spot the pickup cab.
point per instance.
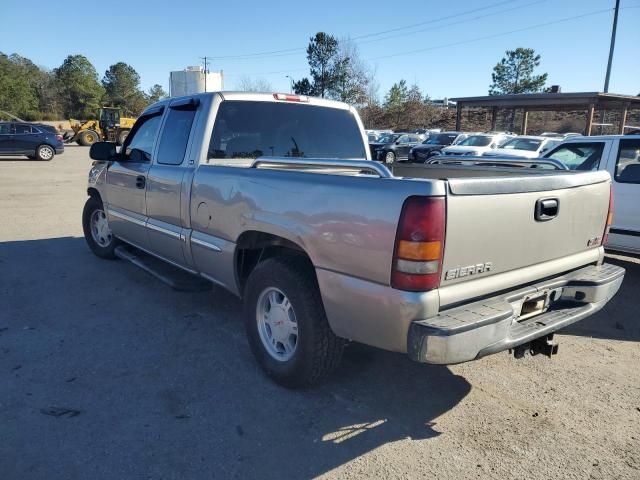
(275, 198)
(620, 156)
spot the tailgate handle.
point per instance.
(546, 209)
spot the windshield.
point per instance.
(528, 144)
(441, 139)
(476, 141)
(245, 129)
(388, 138)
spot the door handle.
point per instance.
(546, 209)
(140, 182)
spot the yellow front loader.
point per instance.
(109, 127)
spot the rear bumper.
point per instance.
(59, 149)
(472, 331)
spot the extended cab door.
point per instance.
(127, 179)
(165, 182)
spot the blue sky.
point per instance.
(448, 47)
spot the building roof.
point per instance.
(552, 101)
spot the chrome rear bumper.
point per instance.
(474, 330)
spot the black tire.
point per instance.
(86, 138)
(92, 205)
(122, 136)
(318, 350)
(389, 158)
(45, 152)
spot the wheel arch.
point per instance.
(254, 247)
(93, 192)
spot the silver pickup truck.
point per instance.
(274, 198)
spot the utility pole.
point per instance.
(613, 44)
(205, 72)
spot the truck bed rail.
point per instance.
(496, 161)
(312, 163)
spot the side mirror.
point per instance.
(102, 151)
(397, 142)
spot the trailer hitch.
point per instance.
(543, 345)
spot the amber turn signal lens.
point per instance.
(419, 250)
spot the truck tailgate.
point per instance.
(492, 227)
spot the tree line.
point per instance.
(72, 90)
(336, 71)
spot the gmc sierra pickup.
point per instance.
(274, 197)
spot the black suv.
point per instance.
(432, 145)
(394, 147)
(36, 141)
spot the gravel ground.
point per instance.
(105, 373)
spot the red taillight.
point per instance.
(59, 137)
(290, 98)
(417, 260)
(607, 227)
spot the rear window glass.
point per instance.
(476, 141)
(578, 156)
(269, 129)
(528, 144)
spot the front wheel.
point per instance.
(286, 323)
(390, 158)
(86, 138)
(96, 229)
(45, 152)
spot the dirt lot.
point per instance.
(107, 374)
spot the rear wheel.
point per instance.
(45, 152)
(390, 158)
(87, 138)
(96, 229)
(286, 323)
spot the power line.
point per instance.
(439, 27)
(462, 42)
(290, 51)
(487, 37)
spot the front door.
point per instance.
(127, 182)
(625, 231)
(166, 229)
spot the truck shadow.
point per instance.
(165, 382)
(618, 320)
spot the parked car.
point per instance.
(33, 140)
(434, 144)
(477, 144)
(524, 146)
(560, 135)
(395, 147)
(270, 197)
(620, 156)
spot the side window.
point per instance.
(403, 139)
(139, 143)
(175, 135)
(4, 129)
(628, 163)
(21, 128)
(579, 156)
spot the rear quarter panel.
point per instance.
(345, 224)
